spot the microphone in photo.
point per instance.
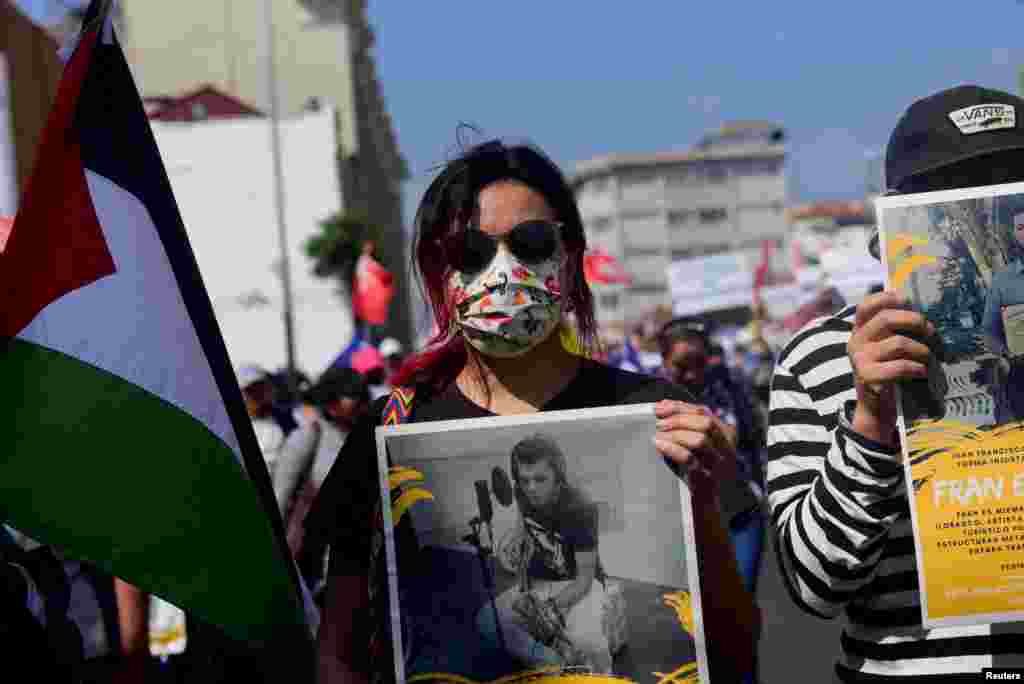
(501, 485)
(483, 501)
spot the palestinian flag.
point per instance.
(123, 435)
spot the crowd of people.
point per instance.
(801, 443)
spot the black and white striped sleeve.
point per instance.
(833, 494)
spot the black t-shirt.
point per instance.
(570, 526)
(342, 513)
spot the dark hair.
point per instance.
(683, 330)
(448, 205)
(534, 449)
(338, 382)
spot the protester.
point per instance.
(634, 355)
(499, 248)
(36, 632)
(340, 398)
(688, 352)
(835, 474)
(75, 598)
(258, 391)
(393, 353)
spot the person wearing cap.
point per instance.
(1006, 297)
(340, 397)
(835, 476)
(258, 392)
(393, 353)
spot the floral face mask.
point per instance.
(511, 305)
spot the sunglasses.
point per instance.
(531, 242)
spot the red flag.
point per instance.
(6, 223)
(764, 267)
(374, 288)
(798, 257)
(604, 269)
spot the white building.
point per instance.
(324, 56)
(220, 171)
(726, 195)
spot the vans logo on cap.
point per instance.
(984, 117)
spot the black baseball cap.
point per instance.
(952, 126)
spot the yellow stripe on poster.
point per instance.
(899, 243)
(968, 492)
(548, 674)
(687, 674)
(682, 603)
(407, 499)
(399, 475)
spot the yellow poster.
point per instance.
(957, 258)
(968, 488)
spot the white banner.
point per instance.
(712, 282)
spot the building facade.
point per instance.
(323, 59)
(29, 73)
(726, 195)
(829, 244)
(218, 172)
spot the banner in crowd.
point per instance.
(958, 257)
(127, 443)
(556, 542)
(707, 283)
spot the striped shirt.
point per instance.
(843, 530)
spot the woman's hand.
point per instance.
(692, 436)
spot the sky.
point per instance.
(583, 79)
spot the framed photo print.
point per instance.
(550, 543)
(958, 258)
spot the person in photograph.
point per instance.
(498, 248)
(553, 614)
(835, 478)
(1005, 304)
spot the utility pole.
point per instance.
(282, 229)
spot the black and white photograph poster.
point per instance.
(555, 543)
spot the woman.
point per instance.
(499, 249)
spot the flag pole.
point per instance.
(279, 196)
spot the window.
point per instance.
(698, 251)
(593, 186)
(760, 166)
(684, 175)
(715, 215)
(679, 217)
(639, 178)
(715, 172)
(647, 288)
(608, 301)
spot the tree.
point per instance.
(336, 248)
